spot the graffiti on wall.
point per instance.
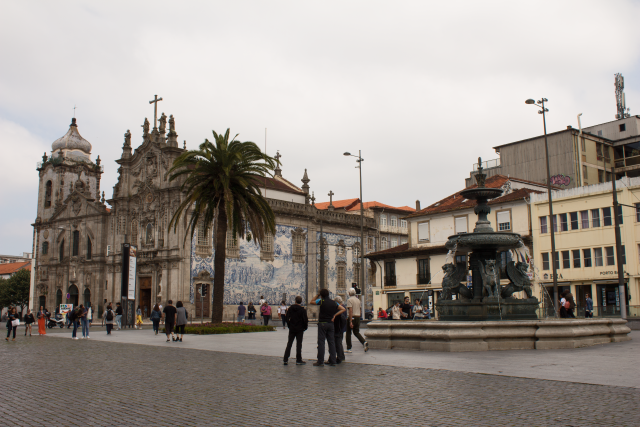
(560, 179)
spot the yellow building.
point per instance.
(585, 244)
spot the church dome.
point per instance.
(72, 140)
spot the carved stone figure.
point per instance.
(453, 275)
(145, 128)
(490, 277)
(172, 124)
(163, 123)
(127, 138)
(517, 273)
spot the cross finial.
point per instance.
(331, 194)
(74, 111)
(155, 101)
(278, 170)
(313, 198)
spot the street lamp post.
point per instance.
(362, 284)
(543, 111)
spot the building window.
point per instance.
(149, 234)
(47, 194)
(266, 248)
(557, 258)
(423, 232)
(403, 241)
(370, 243)
(341, 248)
(89, 247)
(45, 248)
(461, 225)
(298, 245)
(356, 273)
(624, 255)
(584, 219)
(233, 251)
(543, 225)
(383, 220)
(637, 205)
(202, 235)
(611, 259)
(585, 173)
(566, 262)
(595, 218)
(394, 242)
(341, 270)
(586, 253)
(620, 218)
(424, 275)
(390, 273)
(545, 260)
(403, 224)
(134, 232)
(576, 258)
(394, 221)
(600, 175)
(554, 223)
(76, 243)
(383, 243)
(573, 216)
(356, 251)
(622, 127)
(61, 251)
(597, 255)
(564, 226)
(606, 217)
(504, 220)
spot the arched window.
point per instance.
(73, 295)
(47, 194)
(58, 298)
(149, 234)
(43, 301)
(87, 297)
(76, 243)
(61, 252)
(45, 248)
(88, 247)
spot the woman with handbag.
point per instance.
(265, 311)
(42, 321)
(28, 321)
(155, 317)
(12, 323)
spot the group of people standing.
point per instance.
(175, 319)
(265, 312)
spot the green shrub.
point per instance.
(224, 328)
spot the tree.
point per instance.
(221, 184)
(15, 289)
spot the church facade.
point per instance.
(78, 235)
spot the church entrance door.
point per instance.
(202, 302)
(145, 296)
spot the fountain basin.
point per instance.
(468, 242)
(480, 193)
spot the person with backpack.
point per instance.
(108, 318)
(170, 314)
(298, 323)
(155, 317)
(329, 310)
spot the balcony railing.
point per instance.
(389, 281)
(393, 229)
(494, 163)
(628, 161)
(424, 280)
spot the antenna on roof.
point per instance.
(621, 104)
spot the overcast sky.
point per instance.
(422, 88)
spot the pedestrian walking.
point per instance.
(326, 331)
(169, 316)
(572, 304)
(42, 321)
(353, 323)
(251, 311)
(73, 316)
(28, 321)
(12, 322)
(588, 310)
(564, 305)
(282, 312)
(84, 321)
(155, 317)
(265, 311)
(138, 318)
(298, 323)
(339, 328)
(108, 318)
(181, 320)
(119, 315)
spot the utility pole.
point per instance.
(616, 219)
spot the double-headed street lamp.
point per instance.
(362, 245)
(542, 110)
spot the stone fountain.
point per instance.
(487, 299)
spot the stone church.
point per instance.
(78, 235)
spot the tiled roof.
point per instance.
(369, 205)
(279, 184)
(12, 267)
(457, 202)
(346, 204)
(354, 205)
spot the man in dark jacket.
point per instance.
(298, 323)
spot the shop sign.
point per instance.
(65, 308)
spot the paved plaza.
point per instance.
(136, 378)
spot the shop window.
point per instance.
(576, 258)
(586, 253)
(584, 219)
(504, 220)
(543, 225)
(595, 218)
(566, 262)
(606, 217)
(597, 255)
(611, 259)
(545, 260)
(564, 225)
(76, 243)
(573, 216)
(423, 232)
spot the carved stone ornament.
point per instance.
(46, 234)
(76, 205)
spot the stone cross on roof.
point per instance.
(331, 194)
(278, 171)
(155, 101)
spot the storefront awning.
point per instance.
(609, 282)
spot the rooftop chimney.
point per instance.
(417, 205)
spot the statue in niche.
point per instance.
(163, 123)
(490, 277)
(145, 128)
(453, 275)
(520, 281)
(127, 138)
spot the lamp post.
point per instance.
(362, 284)
(543, 110)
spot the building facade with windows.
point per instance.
(415, 268)
(585, 243)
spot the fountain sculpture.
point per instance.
(487, 299)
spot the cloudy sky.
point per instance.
(422, 88)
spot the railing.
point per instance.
(628, 161)
(389, 281)
(424, 280)
(393, 229)
(494, 163)
(384, 228)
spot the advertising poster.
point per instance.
(65, 308)
(132, 273)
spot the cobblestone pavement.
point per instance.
(47, 380)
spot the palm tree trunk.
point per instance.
(218, 266)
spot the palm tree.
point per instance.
(221, 188)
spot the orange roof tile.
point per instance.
(369, 205)
(346, 204)
(12, 267)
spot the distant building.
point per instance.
(26, 256)
(9, 269)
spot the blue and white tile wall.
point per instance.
(247, 278)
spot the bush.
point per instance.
(224, 328)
